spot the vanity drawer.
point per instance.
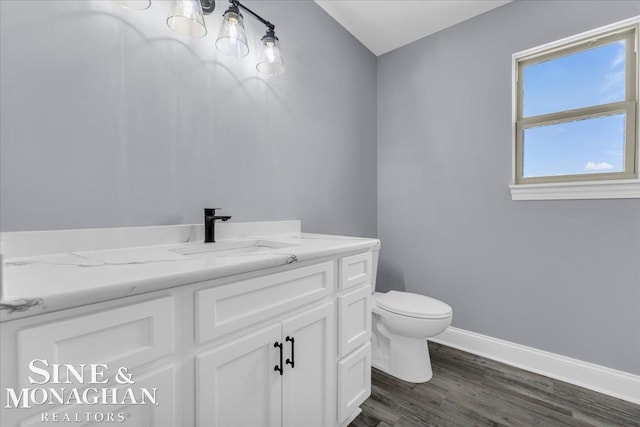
(355, 270)
(127, 337)
(354, 381)
(227, 308)
(354, 319)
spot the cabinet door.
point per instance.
(308, 396)
(236, 384)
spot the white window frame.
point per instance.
(584, 186)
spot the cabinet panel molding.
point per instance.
(354, 319)
(127, 336)
(354, 381)
(355, 270)
(224, 309)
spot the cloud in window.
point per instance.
(614, 81)
(620, 57)
(593, 166)
(613, 86)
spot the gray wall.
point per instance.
(561, 276)
(108, 118)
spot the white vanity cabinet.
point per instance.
(215, 349)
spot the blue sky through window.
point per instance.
(590, 77)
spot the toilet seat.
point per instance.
(412, 305)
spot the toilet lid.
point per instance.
(413, 305)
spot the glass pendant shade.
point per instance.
(186, 18)
(134, 4)
(232, 39)
(270, 59)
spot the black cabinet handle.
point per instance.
(292, 360)
(278, 368)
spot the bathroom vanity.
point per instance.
(266, 327)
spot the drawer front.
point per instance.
(224, 309)
(354, 319)
(354, 381)
(355, 270)
(122, 337)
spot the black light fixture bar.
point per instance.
(251, 12)
(208, 6)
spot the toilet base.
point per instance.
(405, 358)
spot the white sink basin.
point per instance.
(232, 248)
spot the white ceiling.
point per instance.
(384, 25)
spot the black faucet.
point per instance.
(210, 218)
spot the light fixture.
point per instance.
(134, 4)
(187, 17)
(269, 59)
(232, 40)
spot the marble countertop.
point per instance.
(36, 282)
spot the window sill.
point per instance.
(621, 189)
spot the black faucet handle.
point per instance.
(210, 211)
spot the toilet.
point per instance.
(401, 324)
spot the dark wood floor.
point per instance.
(469, 390)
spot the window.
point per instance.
(576, 116)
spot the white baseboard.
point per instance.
(621, 385)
